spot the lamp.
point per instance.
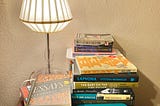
(46, 16)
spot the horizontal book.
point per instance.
(103, 102)
(93, 39)
(102, 97)
(51, 90)
(104, 91)
(104, 64)
(70, 54)
(92, 53)
(109, 104)
(103, 94)
(92, 46)
(107, 49)
(93, 85)
(128, 77)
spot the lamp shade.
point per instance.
(45, 15)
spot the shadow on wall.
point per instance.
(147, 94)
(117, 46)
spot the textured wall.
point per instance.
(134, 23)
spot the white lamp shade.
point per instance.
(45, 15)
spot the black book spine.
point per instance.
(106, 78)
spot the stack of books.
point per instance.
(101, 79)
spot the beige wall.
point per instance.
(134, 23)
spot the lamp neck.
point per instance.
(48, 54)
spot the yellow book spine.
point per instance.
(91, 85)
(114, 96)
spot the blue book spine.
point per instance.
(84, 96)
(109, 104)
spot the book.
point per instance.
(25, 92)
(104, 64)
(93, 39)
(26, 88)
(105, 91)
(92, 46)
(107, 49)
(103, 102)
(129, 77)
(108, 104)
(70, 54)
(103, 94)
(93, 85)
(51, 89)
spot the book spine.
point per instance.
(106, 78)
(114, 97)
(109, 49)
(92, 53)
(93, 85)
(92, 47)
(108, 71)
(93, 39)
(105, 91)
(84, 96)
(108, 104)
(126, 102)
(102, 97)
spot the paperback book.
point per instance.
(94, 85)
(104, 64)
(93, 39)
(128, 77)
(105, 94)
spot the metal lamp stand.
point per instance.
(48, 54)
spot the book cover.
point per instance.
(93, 39)
(25, 92)
(51, 89)
(104, 64)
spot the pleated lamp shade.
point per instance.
(45, 15)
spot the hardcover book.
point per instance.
(104, 64)
(93, 39)
(51, 90)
